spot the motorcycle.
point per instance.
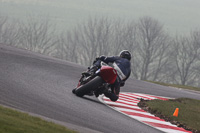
(96, 83)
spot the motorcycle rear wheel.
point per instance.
(88, 87)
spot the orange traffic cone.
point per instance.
(176, 112)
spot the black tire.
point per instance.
(86, 88)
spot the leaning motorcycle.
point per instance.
(96, 83)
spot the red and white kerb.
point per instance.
(127, 104)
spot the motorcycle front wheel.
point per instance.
(88, 87)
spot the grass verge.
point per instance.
(12, 121)
(189, 110)
(177, 86)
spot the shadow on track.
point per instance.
(93, 100)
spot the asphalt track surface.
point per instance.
(42, 85)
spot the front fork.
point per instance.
(84, 79)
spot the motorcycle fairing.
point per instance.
(108, 74)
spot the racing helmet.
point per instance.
(125, 54)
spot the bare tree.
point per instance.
(9, 31)
(151, 50)
(186, 52)
(196, 80)
(146, 40)
(37, 36)
(122, 36)
(3, 21)
(195, 37)
(102, 36)
(92, 39)
(66, 48)
(155, 56)
(129, 37)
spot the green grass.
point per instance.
(189, 110)
(177, 86)
(12, 121)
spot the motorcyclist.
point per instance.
(123, 66)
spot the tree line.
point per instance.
(157, 56)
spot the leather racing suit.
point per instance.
(123, 67)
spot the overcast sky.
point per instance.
(178, 16)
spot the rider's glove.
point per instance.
(99, 58)
(111, 95)
(102, 58)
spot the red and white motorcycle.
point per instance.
(96, 83)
